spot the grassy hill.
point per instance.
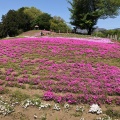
(30, 33)
(37, 33)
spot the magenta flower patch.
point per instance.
(67, 69)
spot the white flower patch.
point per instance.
(105, 118)
(44, 105)
(66, 106)
(31, 102)
(14, 104)
(56, 107)
(95, 109)
(79, 108)
(36, 102)
(5, 108)
(26, 103)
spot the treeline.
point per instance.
(26, 18)
(113, 34)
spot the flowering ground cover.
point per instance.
(63, 69)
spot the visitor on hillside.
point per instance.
(41, 34)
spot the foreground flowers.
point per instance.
(84, 71)
(5, 107)
(94, 108)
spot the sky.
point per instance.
(55, 8)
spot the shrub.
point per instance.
(20, 96)
(112, 113)
(98, 34)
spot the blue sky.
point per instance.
(53, 7)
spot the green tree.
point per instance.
(23, 20)
(14, 22)
(32, 12)
(57, 23)
(85, 13)
(43, 21)
(10, 23)
(1, 31)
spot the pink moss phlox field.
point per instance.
(16, 48)
(63, 68)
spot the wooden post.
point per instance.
(116, 37)
(67, 31)
(111, 37)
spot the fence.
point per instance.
(114, 37)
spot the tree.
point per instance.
(43, 21)
(14, 22)
(1, 31)
(57, 23)
(32, 12)
(23, 20)
(10, 23)
(85, 13)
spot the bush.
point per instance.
(20, 96)
(113, 113)
(20, 31)
(98, 34)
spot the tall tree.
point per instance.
(43, 21)
(2, 34)
(10, 23)
(85, 13)
(15, 22)
(58, 24)
(23, 20)
(32, 12)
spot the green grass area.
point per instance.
(37, 34)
